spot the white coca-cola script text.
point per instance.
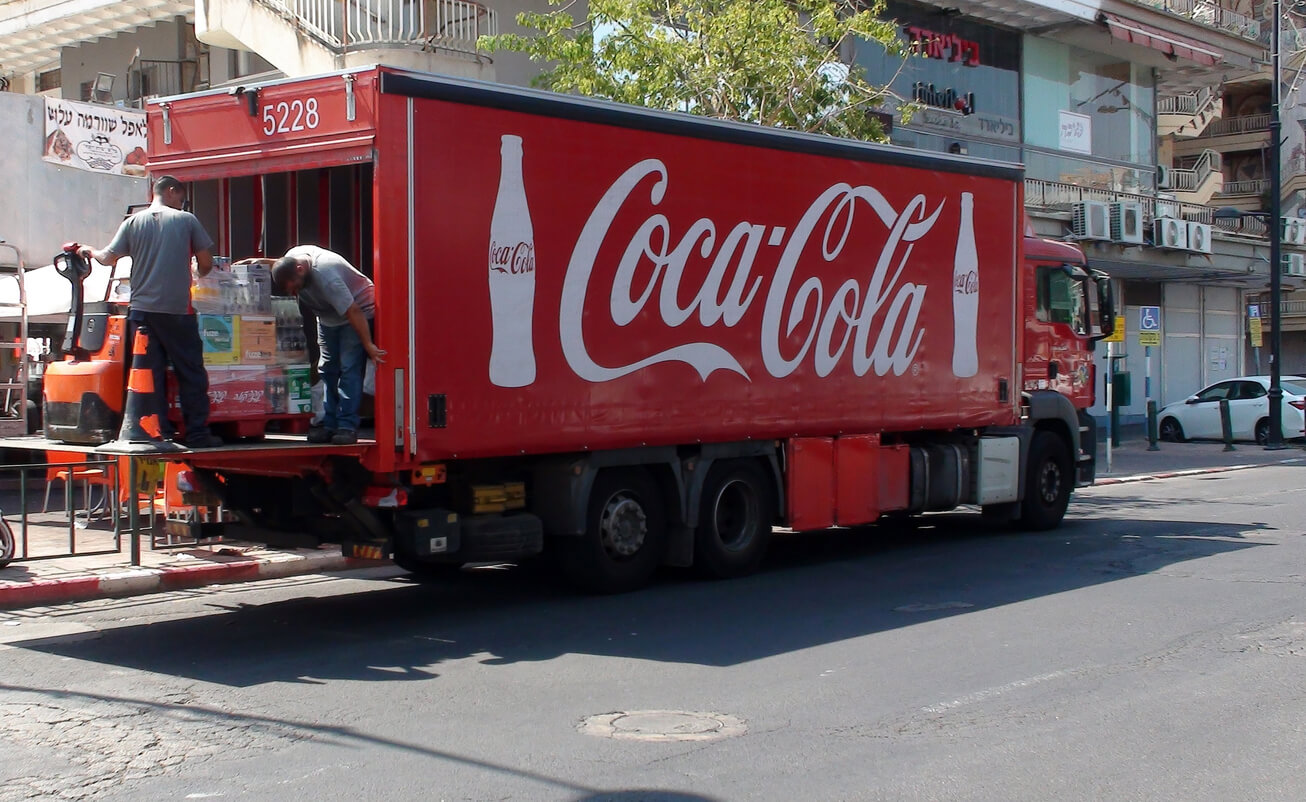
(874, 322)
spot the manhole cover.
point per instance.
(663, 725)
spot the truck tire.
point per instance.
(625, 534)
(734, 520)
(1048, 483)
(7, 544)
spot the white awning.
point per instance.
(49, 295)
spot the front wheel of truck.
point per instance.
(625, 535)
(1048, 482)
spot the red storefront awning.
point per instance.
(1172, 45)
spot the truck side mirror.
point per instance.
(1106, 303)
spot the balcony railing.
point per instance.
(154, 77)
(1246, 124)
(1058, 196)
(1189, 179)
(1211, 14)
(1254, 186)
(452, 25)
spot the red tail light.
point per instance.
(1299, 404)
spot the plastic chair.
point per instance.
(75, 470)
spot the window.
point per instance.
(1062, 299)
(50, 79)
(1217, 392)
(1250, 390)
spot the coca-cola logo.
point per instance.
(873, 324)
(966, 283)
(514, 259)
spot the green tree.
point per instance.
(771, 62)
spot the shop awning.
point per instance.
(1172, 45)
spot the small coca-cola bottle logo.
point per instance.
(512, 259)
(966, 284)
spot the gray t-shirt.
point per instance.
(333, 286)
(160, 240)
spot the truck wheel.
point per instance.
(734, 520)
(625, 534)
(1048, 483)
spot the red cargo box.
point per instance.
(235, 393)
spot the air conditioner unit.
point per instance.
(1092, 220)
(1294, 264)
(1199, 237)
(1163, 178)
(1127, 222)
(1170, 232)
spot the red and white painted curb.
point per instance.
(1149, 477)
(139, 581)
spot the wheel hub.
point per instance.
(1051, 482)
(734, 512)
(623, 526)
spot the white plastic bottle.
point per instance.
(512, 274)
(965, 294)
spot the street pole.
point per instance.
(1275, 439)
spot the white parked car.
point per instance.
(1198, 416)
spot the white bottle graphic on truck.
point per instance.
(965, 294)
(511, 274)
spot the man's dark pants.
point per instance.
(175, 339)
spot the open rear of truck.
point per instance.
(567, 287)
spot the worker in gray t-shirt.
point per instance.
(342, 298)
(160, 241)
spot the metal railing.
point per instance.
(451, 25)
(1254, 186)
(1246, 124)
(148, 78)
(23, 486)
(1059, 196)
(1293, 307)
(1190, 179)
(1211, 14)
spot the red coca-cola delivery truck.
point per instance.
(636, 338)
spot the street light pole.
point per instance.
(1275, 439)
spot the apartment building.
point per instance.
(1136, 119)
(1105, 104)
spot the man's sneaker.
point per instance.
(344, 437)
(319, 434)
(203, 441)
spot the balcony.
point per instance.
(1247, 132)
(1055, 196)
(1212, 15)
(306, 37)
(33, 32)
(1187, 115)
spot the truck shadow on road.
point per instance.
(815, 589)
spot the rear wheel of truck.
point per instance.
(1048, 483)
(625, 535)
(734, 520)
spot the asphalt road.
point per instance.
(1153, 648)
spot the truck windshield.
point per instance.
(1064, 298)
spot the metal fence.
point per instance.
(88, 519)
(452, 25)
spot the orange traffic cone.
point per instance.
(142, 431)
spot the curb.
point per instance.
(1151, 477)
(140, 581)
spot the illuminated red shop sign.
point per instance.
(943, 46)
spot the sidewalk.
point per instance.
(1132, 462)
(64, 579)
(99, 570)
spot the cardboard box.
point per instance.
(219, 337)
(258, 340)
(299, 392)
(238, 392)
